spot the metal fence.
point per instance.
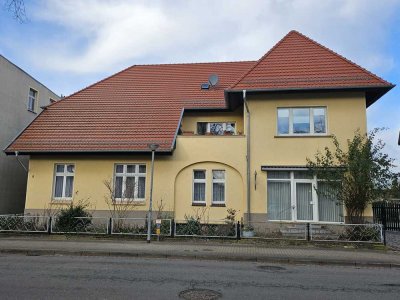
(81, 225)
(387, 214)
(18, 223)
(138, 226)
(366, 233)
(275, 230)
(211, 229)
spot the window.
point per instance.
(216, 128)
(130, 182)
(292, 196)
(218, 186)
(302, 121)
(32, 98)
(199, 186)
(64, 181)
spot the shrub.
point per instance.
(73, 219)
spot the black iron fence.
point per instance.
(387, 214)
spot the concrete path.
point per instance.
(42, 245)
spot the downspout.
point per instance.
(247, 156)
(16, 156)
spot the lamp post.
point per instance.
(153, 148)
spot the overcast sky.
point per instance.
(69, 44)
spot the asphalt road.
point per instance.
(72, 277)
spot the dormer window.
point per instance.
(216, 128)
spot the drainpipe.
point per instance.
(16, 156)
(247, 156)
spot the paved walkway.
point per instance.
(39, 245)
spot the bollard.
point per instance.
(238, 230)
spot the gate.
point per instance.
(387, 214)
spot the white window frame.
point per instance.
(199, 181)
(33, 99)
(135, 175)
(311, 114)
(315, 202)
(64, 174)
(218, 181)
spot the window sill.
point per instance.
(198, 204)
(61, 201)
(218, 205)
(132, 203)
(304, 136)
(34, 112)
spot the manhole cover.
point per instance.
(199, 294)
(271, 268)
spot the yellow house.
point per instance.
(229, 135)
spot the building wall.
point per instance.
(14, 117)
(346, 112)
(173, 173)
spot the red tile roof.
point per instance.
(298, 62)
(129, 110)
(143, 104)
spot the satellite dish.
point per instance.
(213, 79)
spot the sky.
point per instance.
(70, 44)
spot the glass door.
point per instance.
(304, 201)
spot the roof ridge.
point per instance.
(199, 63)
(341, 57)
(260, 60)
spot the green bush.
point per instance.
(73, 219)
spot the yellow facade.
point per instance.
(173, 174)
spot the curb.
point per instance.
(262, 259)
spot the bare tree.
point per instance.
(17, 9)
(120, 205)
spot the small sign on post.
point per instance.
(158, 228)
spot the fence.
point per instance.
(17, 223)
(387, 214)
(81, 225)
(275, 230)
(211, 229)
(364, 233)
(138, 226)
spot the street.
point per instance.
(72, 277)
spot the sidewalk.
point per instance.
(42, 245)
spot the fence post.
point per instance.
(383, 218)
(173, 228)
(238, 230)
(49, 228)
(109, 226)
(308, 232)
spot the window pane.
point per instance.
(303, 201)
(301, 120)
(142, 187)
(218, 174)
(303, 175)
(201, 128)
(130, 169)
(278, 175)
(58, 186)
(217, 128)
(319, 120)
(31, 104)
(279, 201)
(142, 169)
(118, 187)
(329, 208)
(130, 188)
(119, 169)
(60, 168)
(70, 168)
(230, 128)
(283, 121)
(69, 186)
(218, 192)
(199, 174)
(199, 192)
